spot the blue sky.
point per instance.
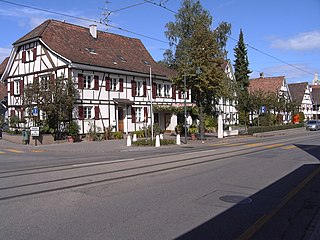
(288, 30)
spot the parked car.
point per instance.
(313, 125)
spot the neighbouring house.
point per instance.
(116, 76)
(274, 85)
(315, 94)
(301, 94)
(227, 106)
(3, 89)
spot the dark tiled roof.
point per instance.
(111, 50)
(3, 65)
(316, 95)
(266, 84)
(297, 91)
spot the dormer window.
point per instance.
(91, 50)
(122, 59)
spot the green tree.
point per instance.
(55, 98)
(241, 72)
(198, 54)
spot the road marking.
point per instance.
(101, 163)
(13, 150)
(274, 145)
(37, 151)
(289, 147)
(254, 228)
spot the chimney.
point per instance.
(93, 30)
(316, 79)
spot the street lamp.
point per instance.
(185, 106)
(151, 109)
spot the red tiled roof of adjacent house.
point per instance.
(3, 90)
(316, 95)
(107, 50)
(3, 65)
(266, 84)
(297, 91)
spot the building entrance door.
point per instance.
(120, 119)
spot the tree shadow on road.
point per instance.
(236, 220)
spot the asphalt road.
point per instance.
(244, 188)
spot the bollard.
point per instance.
(157, 141)
(178, 139)
(134, 139)
(220, 126)
(128, 141)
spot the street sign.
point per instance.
(35, 111)
(35, 131)
(263, 109)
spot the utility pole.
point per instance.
(151, 109)
(185, 106)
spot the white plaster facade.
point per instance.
(106, 97)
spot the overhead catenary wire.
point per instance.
(139, 34)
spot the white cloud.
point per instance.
(31, 18)
(300, 42)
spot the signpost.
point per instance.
(35, 111)
(263, 109)
(35, 132)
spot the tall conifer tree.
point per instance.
(241, 66)
(241, 72)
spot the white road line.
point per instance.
(101, 163)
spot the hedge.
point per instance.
(259, 129)
(144, 142)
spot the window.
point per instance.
(139, 114)
(159, 90)
(87, 81)
(87, 112)
(45, 82)
(139, 88)
(114, 84)
(166, 90)
(16, 87)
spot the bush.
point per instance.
(253, 130)
(139, 133)
(117, 135)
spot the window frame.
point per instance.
(159, 90)
(87, 112)
(167, 91)
(139, 115)
(114, 84)
(16, 87)
(47, 79)
(87, 84)
(139, 88)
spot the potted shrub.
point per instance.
(193, 130)
(73, 131)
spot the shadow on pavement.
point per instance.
(236, 220)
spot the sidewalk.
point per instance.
(121, 145)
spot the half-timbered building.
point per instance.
(116, 76)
